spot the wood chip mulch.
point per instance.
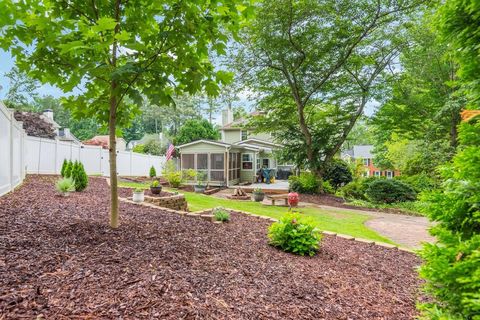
(60, 260)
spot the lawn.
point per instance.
(340, 221)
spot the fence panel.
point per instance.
(5, 152)
(91, 157)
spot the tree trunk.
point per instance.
(114, 220)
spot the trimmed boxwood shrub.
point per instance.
(306, 182)
(390, 191)
(353, 190)
(153, 172)
(296, 234)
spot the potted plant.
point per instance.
(138, 195)
(258, 194)
(200, 186)
(65, 186)
(155, 187)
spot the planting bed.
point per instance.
(59, 259)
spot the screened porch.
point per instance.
(214, 166)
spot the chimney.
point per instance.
(227, 116)
(48, 113)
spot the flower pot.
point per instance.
(258, 196)
(199, 189)
(138, 197)
(156, 190)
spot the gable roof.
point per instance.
(237, 124)
(253, 141)
(103, 141)
(217, 143)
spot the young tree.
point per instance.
(115, 51)
(317, 64)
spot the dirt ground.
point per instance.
(59, 259)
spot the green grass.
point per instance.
(340, 221)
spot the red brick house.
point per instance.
(364, 153)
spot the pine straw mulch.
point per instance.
(59, 259)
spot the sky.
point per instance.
(7, 63)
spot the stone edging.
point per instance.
(205, 214)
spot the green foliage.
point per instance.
(155, 184)
(189, 174)
(154, 147)
(451, 266)
(65, 185)
(306, 182)
(296, 234)
(173, 177)
(420, 182)
(140, 148)
(258, 190)
(196, 129)
(201, 178)
(220, 214)
(353, 190)
(153, 172)
(319, 69)
(79, 176)
(389, 191)
(327, 187)
(138, 190)
(64, 167)
(68, 169)
(338, 173)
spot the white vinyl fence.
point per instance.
(21, 154)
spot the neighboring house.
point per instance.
(364, 153)
(42, 125)
(236, 158)
(104, 142)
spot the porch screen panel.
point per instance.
(188, 161)
(202, 165)
(234, 167)
(217, 167)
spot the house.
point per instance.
(104, 142)
(236, 158)
(364, 154)
(42, 125)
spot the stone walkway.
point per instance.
(408, 231)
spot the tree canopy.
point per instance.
(316, 64)
(196, 129)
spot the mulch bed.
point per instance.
(59, 259)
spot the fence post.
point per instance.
(11, 118)
(56, 156)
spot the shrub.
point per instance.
(353, 190)
(327, 187)
(338, 173)
(139, 148)
(306, 182)
(173, 177)
(389, 191)
(138, 190)
(68, 169)
(451, 266)
(153, 172)
(220, 214)
(189, 174)
(64, 167)
(155, 184)
(296, 234)
(79, 176)
(420, 182)
(65, 185)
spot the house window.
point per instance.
(366, 162)
(266, 163)
(247, 161)
(377, 173)
(366, 173)
(258, 163)
(389, 174)
(244, 135)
